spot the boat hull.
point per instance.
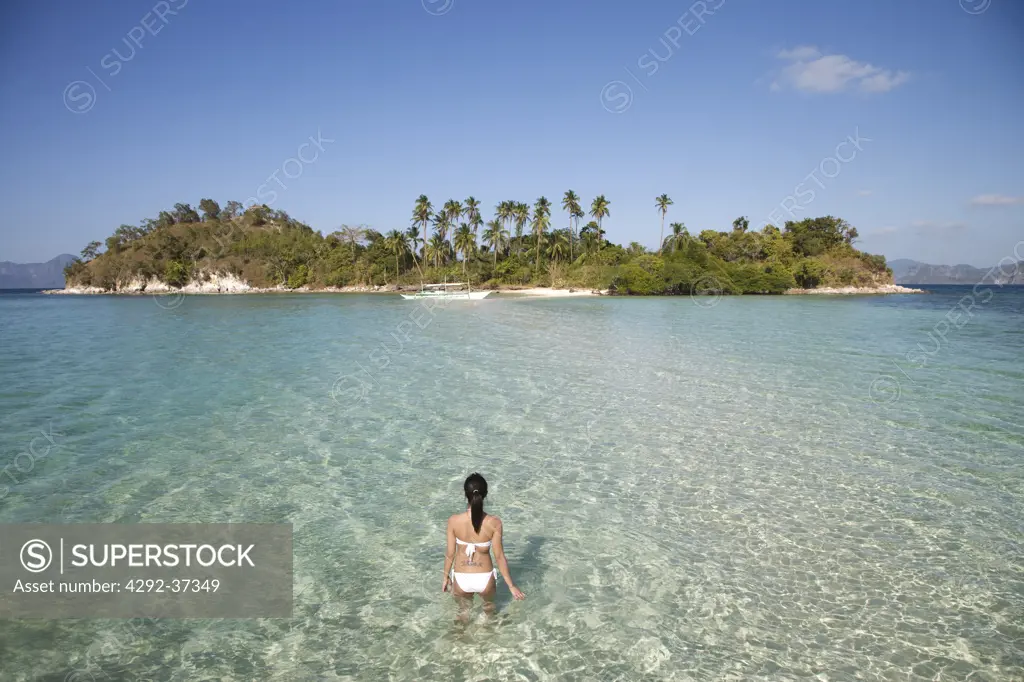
(448, 296)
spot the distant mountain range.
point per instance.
(907, 271)
(48, 275)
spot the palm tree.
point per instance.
(453, 209)
(442, 225)
(561, 244)
(662, 203)
(465, 243)
(475, 223)
(541, 222)
(437, 248)
(599, 211)
(590, 237)
(372, 236)
(471, 210)
(521, 212)
(503, 211)
(412, 238)
(422, 214)
(398, 244)
(494, 236)
(679, 235)
(577, 214)
(571, 205)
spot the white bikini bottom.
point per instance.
(474, 582)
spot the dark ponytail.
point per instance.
(475, 488)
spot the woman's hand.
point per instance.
(445, 584)
(516, 594)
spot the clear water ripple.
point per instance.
(689, 493)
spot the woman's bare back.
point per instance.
(468, 551)
(480, 561)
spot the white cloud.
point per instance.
(811, 71)
(864, 193)
(996, 200)
(799, 53)
(884, 81)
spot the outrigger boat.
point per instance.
(448, 291)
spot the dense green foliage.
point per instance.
(519, 246)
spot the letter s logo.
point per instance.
(36, 556)
(79, 97)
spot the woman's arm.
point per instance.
(499, 555)
(449, 557)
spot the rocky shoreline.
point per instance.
(379, 289)
(857, 291)
(210, 284)
(215, 284)
(229, 284)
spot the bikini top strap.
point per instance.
(471, 546)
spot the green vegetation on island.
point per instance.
(519, 245)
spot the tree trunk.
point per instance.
(537, 260)
(416, 262)
(570, 238)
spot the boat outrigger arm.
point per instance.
(442, 291)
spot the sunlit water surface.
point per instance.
(747, 488)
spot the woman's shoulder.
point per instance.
(493, 521)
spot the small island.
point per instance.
(235, 249)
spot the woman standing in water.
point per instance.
(471, 537)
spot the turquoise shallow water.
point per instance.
(749, 488)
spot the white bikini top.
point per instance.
(471, 546)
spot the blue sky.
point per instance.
(726, 105)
